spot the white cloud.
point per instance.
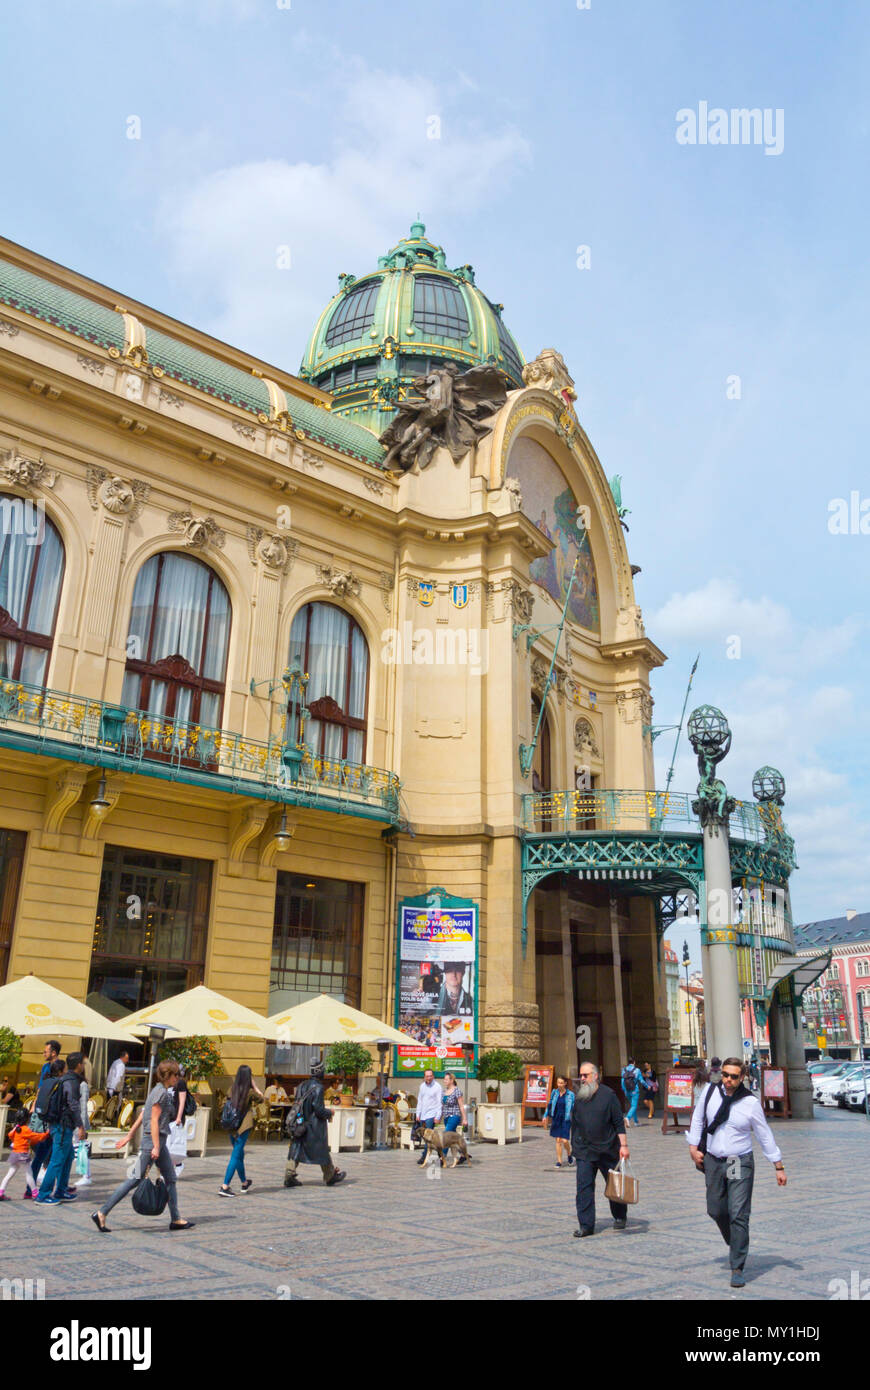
(784, 708)
(223, 231)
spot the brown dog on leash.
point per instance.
(441, 1139)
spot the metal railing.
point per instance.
(111, 736)
(637, 812)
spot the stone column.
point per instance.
(719, 937)
(710, 737)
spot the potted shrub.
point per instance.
(199, 1057)
(10, 1051)
(346, 1059)
(497, 1066)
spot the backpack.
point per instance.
(296, 1126)
(189, 1106)
(230, 1117)
(54, 1104)
(629, 1082)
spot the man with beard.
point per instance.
(597, 1143)
(720, 1142)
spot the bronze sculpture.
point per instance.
(451, 414)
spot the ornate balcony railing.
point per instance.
(632, 812)
(128, 740)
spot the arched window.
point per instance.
(335, 654)
(354, 314)
(31, 574)
(177, 640)
(439, 307)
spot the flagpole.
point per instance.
(680, 729)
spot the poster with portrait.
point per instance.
(436, 979)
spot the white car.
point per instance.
(853, 1096)
(826, 1088)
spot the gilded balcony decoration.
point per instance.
(110, 736)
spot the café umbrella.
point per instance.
(33, 1009)
(325, 1020)
(198, 1012)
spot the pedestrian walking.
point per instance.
(241, 1098)
(50, 1055)
(650, 1084)
(81, 1150)
(720, 1142)
(309, 1138)
(21, 1139)
(700, 1082)
(154, 1121)
(430, 1105)
(453, 1109)
(63, 1112)
(557, 1118)
(716, 1070)
(598, 1142)
(631, 1088)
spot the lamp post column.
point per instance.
(710, 737)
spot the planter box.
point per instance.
(196, 1128)
(500, 1124)
(347, 1129)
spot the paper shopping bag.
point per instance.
(622, 1185)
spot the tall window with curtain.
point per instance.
(333, 651)
(178, 639)
(31, 576)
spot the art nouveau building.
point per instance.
(187, 531)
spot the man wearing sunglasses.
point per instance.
(720, 1142)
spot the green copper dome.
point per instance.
(382, 330)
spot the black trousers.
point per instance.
(586, 1171)
(729, 1200)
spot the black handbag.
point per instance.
(150, 1198)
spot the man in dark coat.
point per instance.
(597, 1144)
(313, 1146)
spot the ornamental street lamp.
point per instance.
(688, 995)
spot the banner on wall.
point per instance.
(436, 995)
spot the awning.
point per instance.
(804, 971)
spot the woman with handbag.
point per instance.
(557, 1118)
(154, 1120)
(240, 1111)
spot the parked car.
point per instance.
(853, 1096)
(822, 1066)
(826, 1087)
(853, 1081)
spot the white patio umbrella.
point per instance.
(325, 1020)
(197, 1012)
(201, 1011)
(33, 1009)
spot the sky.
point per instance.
(183, 151)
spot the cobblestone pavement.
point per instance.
(497, 1228)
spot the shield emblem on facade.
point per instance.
(459, 595)
(426, 592)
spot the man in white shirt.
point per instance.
(117, 1073)
(275, 1093)
(429, 1105)
(720, 1142)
